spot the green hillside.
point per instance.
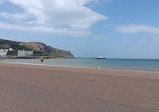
(39, 49)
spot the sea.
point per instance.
(151, 65)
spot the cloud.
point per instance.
(43, 29)
(134, 28)
(72, 15)
(15, 16)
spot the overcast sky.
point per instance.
(88, 28)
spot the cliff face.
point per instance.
(39, 48)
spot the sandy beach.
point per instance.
(35, 88)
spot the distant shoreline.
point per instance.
(34, 57)
(63, 66)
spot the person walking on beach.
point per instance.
(42, 59)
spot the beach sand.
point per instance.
(35, 88)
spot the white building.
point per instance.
(3, 53)
(1, 50)
(24, 53)
(6, 50)
(10, 49)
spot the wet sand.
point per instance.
(34, 88)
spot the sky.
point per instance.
(87, 28)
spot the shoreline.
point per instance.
(78, 67)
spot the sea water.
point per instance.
(119, 64)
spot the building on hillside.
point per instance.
(1, 50)
(3, 53)
(6, 50)
(10, 49)
(25, 53)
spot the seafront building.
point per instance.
(3, 52)
(24, 53)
